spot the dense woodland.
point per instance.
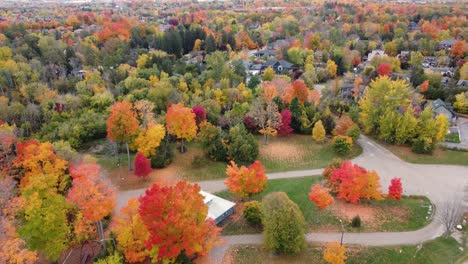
(150, 79)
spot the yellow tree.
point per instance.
(318, 132)
(197, 45)
(148, 140)
(180, 121)
(335, 253)
(268, 74)
(441, 128)
(131, 233)
(331, 68)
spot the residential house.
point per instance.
(462, 84)
(439, 107)
(446, 82)
(279, 44)
(430, 61)
(218, 208)
(269, 54)
(376, 52)
(347, 91)
(444, 71)
(446, 44)
(280, 66)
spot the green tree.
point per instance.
(210, 43)
(416, 58)
(45, 224)
(243, 147)
(284, 224)
(388, 124)
(296, 56)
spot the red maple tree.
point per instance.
(285, 127)
(142, 165)
(395, 189)
(175, 218)
(384, 69)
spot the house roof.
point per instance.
(217, 206)
(462, 83)
(447, 41)
(437, 105)
(283, 63)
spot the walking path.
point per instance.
(439, 183)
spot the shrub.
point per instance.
(422, 145)
(353, 132)
(164, 154)
(284, 224)
(395, 189)
(318, 133)
(252, 212)
(142, 165)
(211, 138)
(356, 221)
(342, 144)
(243, 147)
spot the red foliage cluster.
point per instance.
(384, 69)
(285, 128)
(200, 114)
(320, 196)
(353, 183)
(142, 165)
(395, 189)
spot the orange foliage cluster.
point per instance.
(342, 125)
(119, 29)
(320, 196)
(245, 181)
(175, 218)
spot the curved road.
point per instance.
(438, 182)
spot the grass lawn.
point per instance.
(408, 214)
(438, 251)
(440, 156)
(295, 152)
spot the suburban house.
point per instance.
(251, 69)
(374, 53)
(444, 71)
(462, 84)
(446, 82)
(439, 107)
(447, 44)
(280, 66)
(218, 208)
(347, 91)
(270, 54)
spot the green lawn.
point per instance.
(440, 156)
(295, 152)
(438, 251)
(387, 218)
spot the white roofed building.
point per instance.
(218, 208)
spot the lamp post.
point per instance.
(342, 231)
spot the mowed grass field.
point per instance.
(387, 215)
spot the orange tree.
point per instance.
(122, 125)
(175, 219)
(246, 181)
(180, 121)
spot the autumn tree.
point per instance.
(180, 121)
(131, 233)
(285, 127)
(332, 68)
(283, 223)
(458, 49)
(200, 114)
(320, 196)
(395, 189)
(175, 219)
(268, 74)
(142, 165)
(297, 89)
(335, 253)
(122, 125)
(318, 132)
(384, 69)
(267, 118)
(149, 139)
(246, 181)
(353, 183)
(93, 196)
